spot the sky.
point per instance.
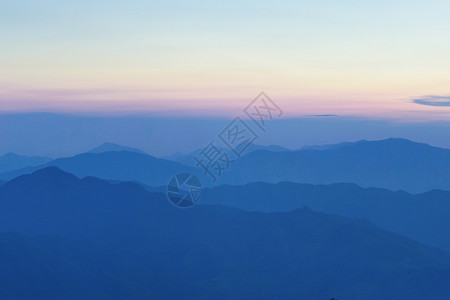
(372, 59)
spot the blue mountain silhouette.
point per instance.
(115, 165)
(422, 217)
(395, 164)
(84, 238)
(108, 147)
(188, 159)
(10, 162)
(331, 146)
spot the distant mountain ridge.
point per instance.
(422, 217)
(332, 146)
(114, 165)
(108, 147)
(395, 164)
(11, 161)
(188, 159)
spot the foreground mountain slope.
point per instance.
(114, 165)
(48, 267)
(136, 245)
(51, 201)
(395, 164)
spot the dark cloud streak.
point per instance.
(433, 101)
(328, 115)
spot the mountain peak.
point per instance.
(394, 142)
(108, 147)
(43, 178)
(52, 170)
(52, 173)
(397, 140)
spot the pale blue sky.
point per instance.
(368, 58)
